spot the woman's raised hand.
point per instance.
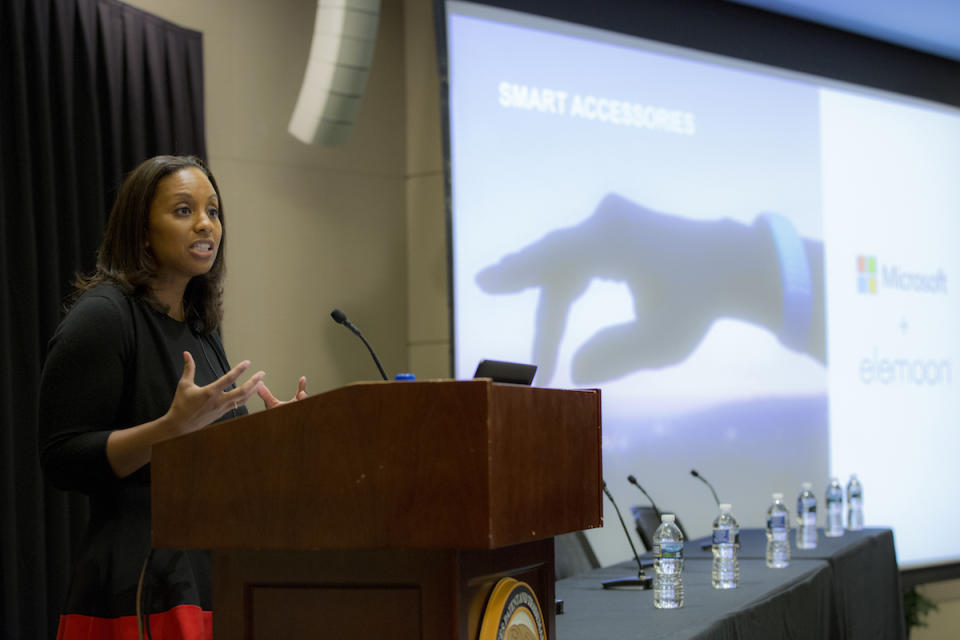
(269, 401)
(195, 407)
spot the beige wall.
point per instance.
(312, 228)
(428, 317)
(944, 623)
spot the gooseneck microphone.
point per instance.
(341, 318)
(694, 473)
(642, 580)
(653, 504)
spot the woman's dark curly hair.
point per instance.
(125, 259)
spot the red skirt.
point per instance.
(185, 622)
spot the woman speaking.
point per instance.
(138, 360)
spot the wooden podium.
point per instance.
(382, 510)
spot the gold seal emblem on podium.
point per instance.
(512, 613)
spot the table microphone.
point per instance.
(706, 545)
(694, 473)
(341, 318)
(632, 480)
(642, 581)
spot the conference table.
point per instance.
(848, 587)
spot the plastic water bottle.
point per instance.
(806, 517)
(834, 527)
(668, 562)
(726, 541)
(854, 504)
(778, 534)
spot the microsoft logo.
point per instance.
(866, 274)
(894, 277)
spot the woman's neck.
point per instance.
(170, 295)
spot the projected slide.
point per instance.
(753, 268)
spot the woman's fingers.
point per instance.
(230, 377)
(225, 399)
(269, 400)
(189, 368)
(249, 387)
(243, 392)
(195, 407)
(220, 399)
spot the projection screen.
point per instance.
(754, 265)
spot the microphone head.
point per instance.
(694, 473)
(631, 479)
(338, 316)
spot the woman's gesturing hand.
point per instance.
(269, 401)
(195, 407)
(192, 409)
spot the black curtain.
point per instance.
(88, 89)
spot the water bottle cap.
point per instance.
(404, 376)
(725, 506)
(778, 496)
(807, 485)
(668, 517)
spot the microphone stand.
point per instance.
(641, 581)
(693, 472)
(340, 318)
(632, 480)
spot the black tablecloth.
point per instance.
(846, 588)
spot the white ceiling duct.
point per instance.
(344, 35)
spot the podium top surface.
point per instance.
(436, 464)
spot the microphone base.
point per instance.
(642, 583)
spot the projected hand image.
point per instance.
(683, 275)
